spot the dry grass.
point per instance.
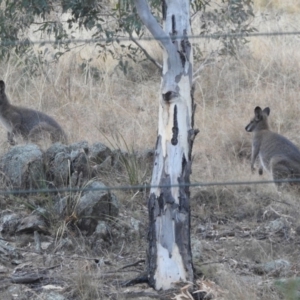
(88, 108)
(266, 73)
(288, 6)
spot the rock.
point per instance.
(135, 227)
(196, 245)
(103, 167)
(8, 254)
(106, 165)
(280, 227)
(23, 167)
(95, 205)
(64, 244)
(32, 223)
(43, 212)
(26, 167)
(101, 237)
(275, 267)
(276, 225)
(57, 162)
(16, 291)
(101, 230)
(9, 222)
(82, 145)
(53, 150)
(12, 223)
(101, 159)
(52, 296)
(80, 167)
(98, 153)
(67, 164)
(135, 224)
(60, 169)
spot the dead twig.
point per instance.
(133, 264)
(142, 278)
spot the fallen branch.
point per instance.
(142, 278)
(133, 264)
(31, 277)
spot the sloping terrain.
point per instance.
(245, 237)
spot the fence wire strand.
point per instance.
(143, 187)
(8, 192)
(6, 43)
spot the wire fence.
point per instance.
(143, 187)
(6, 192)
(6, 43)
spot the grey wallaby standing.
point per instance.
(28, 123)
(277, 154)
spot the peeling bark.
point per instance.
(169, 253)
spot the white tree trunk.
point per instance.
(169, 256)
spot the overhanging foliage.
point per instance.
(112, 25)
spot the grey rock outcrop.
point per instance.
(67, 165)
(22, 167)
(60, 166)
(96, 204)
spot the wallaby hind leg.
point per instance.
(295, 175)
(281, 170)
(37, 134)
(45, 131)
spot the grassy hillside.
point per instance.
(103, 105)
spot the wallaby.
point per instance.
(277, 154)
(28, 123)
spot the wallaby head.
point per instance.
(260, 120)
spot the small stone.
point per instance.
(275, 267)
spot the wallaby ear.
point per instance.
(267, 110)
(257, 112)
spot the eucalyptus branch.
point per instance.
(145, 52)
(150, 22)
(163, 38)
(210, 59)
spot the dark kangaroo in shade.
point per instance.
(277, 154)
(28, 123)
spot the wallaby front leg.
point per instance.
(255, 151)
